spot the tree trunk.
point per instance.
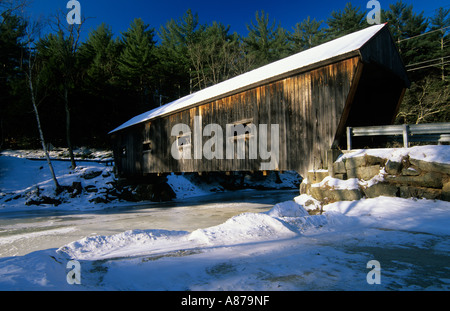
(69, 143)
(41, 135)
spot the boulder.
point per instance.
(411, 171)
(332, 195)
(443, 168)
(364, 172)
(427, 180)
(446, 191)
(91, 174)
(420, 192)
(317, 176)
(380, 189)
(353, 162)
(339, 168)
(91, 188)
(374, 160)
(392, 167)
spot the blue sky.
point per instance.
(119, 13)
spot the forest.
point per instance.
(73, 93)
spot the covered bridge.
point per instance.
(282, 116)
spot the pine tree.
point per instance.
(99, 54)
(406, 27)
(101, 91)
(180, 54)
(137, 61)
(12, 33)
(266, 43)
(307, 34)
(440, 26)
(344, 22)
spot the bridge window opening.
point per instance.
(147, 146)
(184, 140)
(243, 129)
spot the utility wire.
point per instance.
(423, 34)
(427, 61)
(433, 65)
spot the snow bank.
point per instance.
(288, 209)
(128, 243)
(284, 220)
(430, 216)
(282, 249)
(430, 153)
(23, 181)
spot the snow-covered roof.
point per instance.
(331, 49)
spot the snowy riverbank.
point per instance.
(25, 182)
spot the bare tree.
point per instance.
(426, 101)
(70, 36)
(32, 75)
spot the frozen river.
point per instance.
(25, 232)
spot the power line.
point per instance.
(433, 65)
(427, 61)
(423, 34)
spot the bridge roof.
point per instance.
(336, 48)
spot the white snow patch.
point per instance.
(430, 153)
(339, 184)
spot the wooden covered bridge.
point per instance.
(282, 116)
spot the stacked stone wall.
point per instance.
(369, 176)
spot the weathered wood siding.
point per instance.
(307, 107)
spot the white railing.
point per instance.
(430, 132)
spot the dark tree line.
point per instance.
(83, 90)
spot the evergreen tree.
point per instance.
(179, 46)
(214, 55)
(137, 61)
(12, 49)
(344, 22)
(440, 26)
(406, 27)
(307, 34)
(266, 43)
(99, 55)
(101, 91)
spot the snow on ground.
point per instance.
(282, 249)
(431, 153)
